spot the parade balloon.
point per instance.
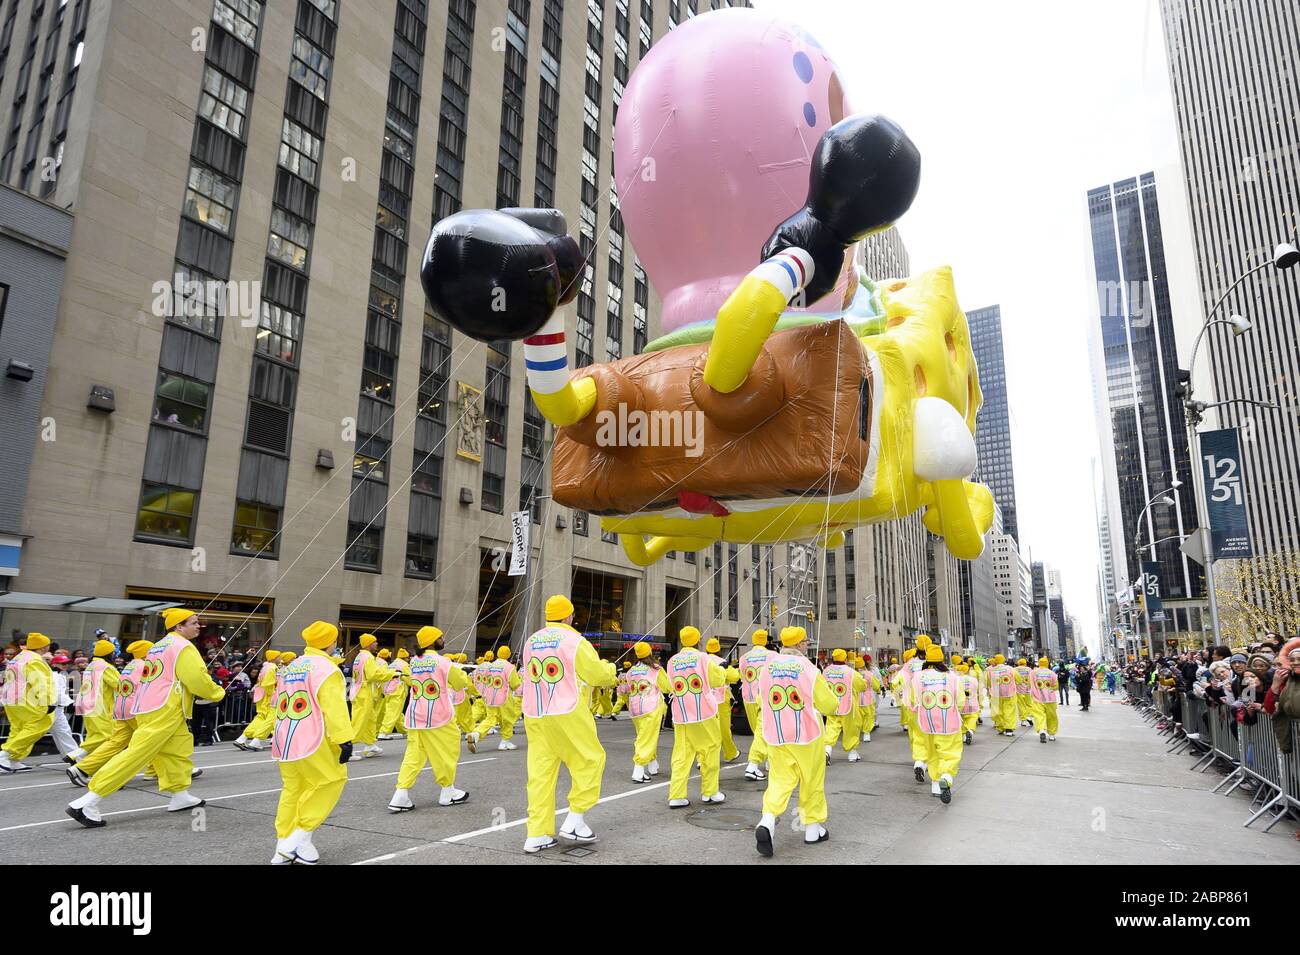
(791, 396)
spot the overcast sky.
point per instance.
(1018, 108)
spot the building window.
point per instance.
(832, 592)
(240, 17)
(310, 67)
(4, 297)
(328, 7)
(210, 198)
(364, 547)
(166, 513)
(181, 401)
(580, 523)
(421, 556)
(289, 239)
(224, 102)
(299, 150)
(368, 460)
(256, 530)
(717, 581)
(279, 332)
(733, 584)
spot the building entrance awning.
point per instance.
(70, 603)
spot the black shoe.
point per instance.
(195, 773)
(919, 773)
(763, 836)
(85, 820)
(945, 792)
(1042, 737)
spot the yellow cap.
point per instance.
(923, 641)
(956, 658)
(839, 656)
(962, 668)
(288, 656)
(627, 664)
(319, 635)
(1020, 662)
(489, 656)
(642, 649)
(859, 663)
(176, 616)
(689, 636)
(36, 641)
(385, 653)
(909, 653)
(427, 636)
(139, 648)
(558, 607)
(103, 648)
(368, 640)
(793, 636)
(933, 654)
(402, 654)
(758, 638)
(713, 646)
(503, 653)
(1042, 661)
(272, 656)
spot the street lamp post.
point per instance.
(1285, 256)
(1164, 499)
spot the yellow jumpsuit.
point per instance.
(365, 708)
(802, 765)
(99, 724)
(915, 743)
(603, 699)
(394, 704)
(694, 742)
(1024, 702)
(439, 748)
(730, 675)
(313, 785)
(850, 724)
(465, 708)
(502, 715)
(32, 717)
(970, 720)
(569, 739)
(646, 749)
(868, 713)
(161, 737)
(263, 717)
(942, 751)
(1044, 714)
(754, 714)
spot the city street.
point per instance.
(1105, 791)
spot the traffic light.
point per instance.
(1183, 386)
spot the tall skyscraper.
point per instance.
(1140, 420)
(993, 429)
(1235, 83)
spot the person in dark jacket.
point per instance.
(1083, 683)
(1063, 682)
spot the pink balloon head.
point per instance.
(712, 150)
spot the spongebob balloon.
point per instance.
(791, 396)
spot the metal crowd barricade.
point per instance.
(235, 711)
(1223, 741)
(1291, 771)
(1262, 761)
(1195, 733)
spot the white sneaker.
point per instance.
(639, 774)
(538, 843)
(576, 829)
(401, 801)
(471, 741)
(451, 796)
(493, 731)
(945, 788)
(653, 768)
(866, 737)
(1053, 738)
(304, 852)
(257, 745)
(854, 757)
(934, 787)
(183, 800)
(716, 797)
(373, 750)
(77, 777)
(764, 833)
(753, 772)
(815, 832)
(85, 809)
(505, 744)
(10, 765)
(284, 851)
(678, 803)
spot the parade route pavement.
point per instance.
(1105, 792)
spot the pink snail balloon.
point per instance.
(712, 147)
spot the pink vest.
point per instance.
(259, 691)
(868, 696)
(1042, 686)
(430, 703)
(90, 696)
(1022, 679)
(299, 723)
(786, 688)
(1002, 681)
(496, 682)
(14, 691)
(840, 678)
(549, 661)
(643, 697)
(719, 692)
(398, 667)
(972, 688)
(750, 666)
(457, 696)
(693, 699)
(359, 672)
(937, 713)
(157, 680)
(913, 691)
(123, 703)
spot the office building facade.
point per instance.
(993, 430)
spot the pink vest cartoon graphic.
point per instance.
(550, 668)
(90, 698)
(972, 688)
(496, 682)
(937, 713)
(643, 696)
(1042, 685)
(14, 691)
(719, 692)
(868, 696)
(1002, 682)
(693, 699)
(840, 678)
(786, 688)
(259, 691)
(1022, 680)
(157, 680)
(750, 666)
(124, 701)
(359, 672)
(299, 723)
(429, 704)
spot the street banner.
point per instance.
(1225, 495)
(1151, 589)
(519, 526)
